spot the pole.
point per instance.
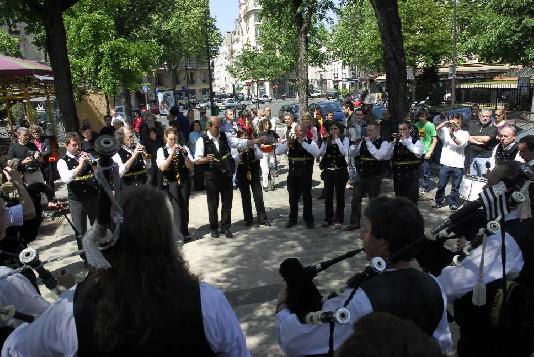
(453, 55)
(214, 111)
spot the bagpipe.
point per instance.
(97, 237)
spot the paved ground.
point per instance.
(246, 267)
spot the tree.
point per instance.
(297, 18)
(9, 45)
(49, 15)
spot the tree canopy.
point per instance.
(9, 45)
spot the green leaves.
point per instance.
(9, 45)
(258, 65)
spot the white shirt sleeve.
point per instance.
(492, 158)
(236, 143)
(14, 216)
(199, 148)
(354, 150)
(343, 146)
(311, 148)
(64, 173)
(281, 148)
(379, 154)
(416, 148)
(322, 149)
(160, 157)
(258, 153)
(122, 168)
(221, 325)
(17, 290)
(443, 333)
(458, 281)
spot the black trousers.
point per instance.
(155, 177)
(198, 177)
(179, 197)
(300, 186)
(217, 184)
(407, 187)
(79, 212)
(254, 185)
(371, 186)
(335, 181)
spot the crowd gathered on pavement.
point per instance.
(149, 303)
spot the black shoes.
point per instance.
(325, 224)
(309, 225)
(188, 239)
(352, 227)
(248, 224)
(438, 205)
(290, 224)
(214, 234)
(228, 233)
(266, 223)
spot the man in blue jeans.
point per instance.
(482, 136)
(454, 140)
(427, 134)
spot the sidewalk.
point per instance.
(246, 267)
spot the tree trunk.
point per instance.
(56, 45)
(302, 71)
(387, 15)
(126, 101)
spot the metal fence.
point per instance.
(502, 96)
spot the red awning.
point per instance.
(17, 67)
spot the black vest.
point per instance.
(177, 327)
(84, 185)
(366, 164)
(136, 174)
(332, 158)
(405, 163)
(502, 155)
(300, 160)
(224, 165)
(177, 171)
(409, 294)
(248, 158)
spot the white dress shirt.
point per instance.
(312, 148)
(297, 339)
(417, 149)
(494, 152)
(380, 154)
(65, 174)
(54, 333)
(17, 290)
(233, 142)
(160, 157)
(342, 145)
(452, 154)
(458, 281)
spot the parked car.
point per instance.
(329, 106)
(231, 103)
(316, 94)
(266, 99)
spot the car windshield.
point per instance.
(331, 107)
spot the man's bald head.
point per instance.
(507, 135)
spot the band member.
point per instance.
(249, 178)
(76, 170)
(301, 154)
(406, 157)
(175, 161)
(452, 159)
(503, 325)
(130, 157)
(213, 150)
(369, 154)
(333, 150)
(526, 149)
(507, 149)
(406, 292)
(174, 313)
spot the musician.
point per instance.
(148, 303)
(333, 150)
(452, 158)
(526, 149)
(130, 158)
(507, 149)
(213, 150)
(391, 225)
(175, 161)
(301, 152)
(406, 153)
(370, 154)
(76, 170)
(479, 336)
(249, 179)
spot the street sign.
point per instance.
(145, 89)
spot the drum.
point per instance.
(471, 187)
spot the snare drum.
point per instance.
(471, 187)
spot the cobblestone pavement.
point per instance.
(246, 267)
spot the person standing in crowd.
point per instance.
(482, 135)
(310, 131)
(28, 155)
(88, 139)
(392, 225)
(130, 158)
(500, 121)
(190, 116)
(356, 130)
(289, 131)
(180, 315)
(320, 125)
(213, 151)
(333, 151)
(203, 120)
(152, 143)
(387, 126)
(406, 153)
(108, 128)
(116, 117)
(268, 159)
(249, 179)
(175, 161)
(427, 134)
(495, 328)
(245, 123)
(227, 125)
(507, 149)
(76, 170)
(369, 154)
(526, 149)
(198, 174)
(301, 154)
(452, 159)
(475, 117)
(329, 116)
(151, 123)
(44, 148)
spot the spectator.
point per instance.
(151, 123)
(482, 134)
(507, 149)
(387, 126)
(203, 119)
(108, 128)
(427, 134)
(28, 156)
(190, 116)
(88, 142)
(227, 125)
(500, 121)
(137, 123)
(526, 149)
(115, 117)
(44, 148)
